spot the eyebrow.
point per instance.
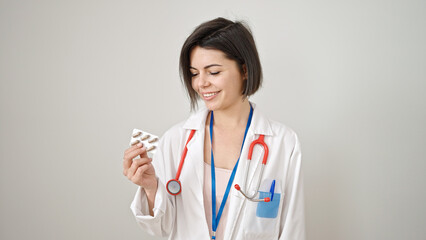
(208, 66)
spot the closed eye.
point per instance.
(214, 73)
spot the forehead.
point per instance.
(201, 57)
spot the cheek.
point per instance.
(237, 84)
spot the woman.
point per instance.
(219, 63)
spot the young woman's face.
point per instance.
(216, 79)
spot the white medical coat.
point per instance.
(183, 216)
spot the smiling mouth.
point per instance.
(210, 94)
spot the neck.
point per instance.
(233, 116)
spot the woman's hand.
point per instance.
(140, 170)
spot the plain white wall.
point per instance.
(77, 76)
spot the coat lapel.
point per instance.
(195, 161)
(196, 156)
(196, 145)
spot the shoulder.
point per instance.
(281, 130)
(174, 132)
(279, 136)
(195, 121)
(285, 141)
(275, 129)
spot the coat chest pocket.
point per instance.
(268, 209)
(261, 219)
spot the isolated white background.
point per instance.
(77, 76)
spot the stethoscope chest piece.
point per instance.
(173, 187)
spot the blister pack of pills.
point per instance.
(150, 141)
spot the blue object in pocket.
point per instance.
(268, 209)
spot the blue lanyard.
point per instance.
(215, 219)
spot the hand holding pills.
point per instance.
(140, 170)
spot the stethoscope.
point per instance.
(174, 186)
(261, 142)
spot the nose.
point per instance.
(203, 80)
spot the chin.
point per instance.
(211, 106)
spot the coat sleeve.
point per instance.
(293, 213)
(161, 223)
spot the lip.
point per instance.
(209, 98)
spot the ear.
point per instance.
(245, 74)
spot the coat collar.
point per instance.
(260, 124)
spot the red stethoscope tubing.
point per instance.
(182, 159)
(173, 186)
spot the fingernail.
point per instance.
(139, 145)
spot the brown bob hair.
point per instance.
(235, 40)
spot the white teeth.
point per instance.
(210, 94)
